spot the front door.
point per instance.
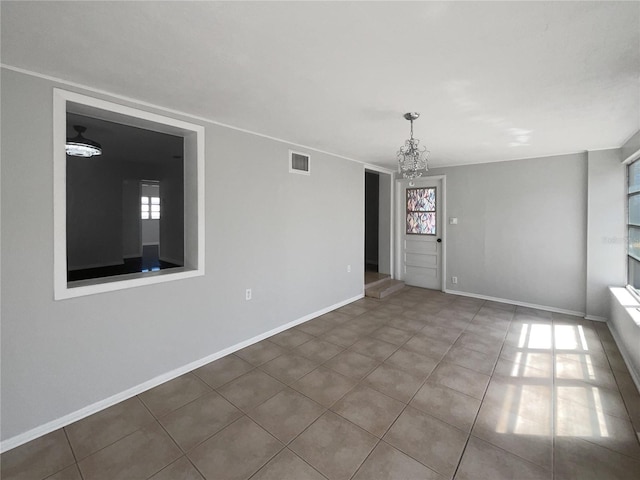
(420, 208)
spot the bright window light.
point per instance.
(149, 208)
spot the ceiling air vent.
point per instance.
(299, 163)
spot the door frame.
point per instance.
(392, 212)
(399, 210)
(141, 183)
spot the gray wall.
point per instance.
(384, 223)
(171, 228)
(521, 232)
(631, 146)
(606, 229)
(94, 216)
(131, 229)
(266, 229)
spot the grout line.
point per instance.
(366, 458)
(66, 435)
(359, 382)
(553, 398)
(407, 405)
(294, 454)
(194, 466)
(72, 453)
(475, 419)
(636, 428)
(391, 317)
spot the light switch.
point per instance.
(453, 220)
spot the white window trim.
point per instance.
(194, 195)
(626, 162)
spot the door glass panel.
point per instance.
(421, 211)
(421, 223)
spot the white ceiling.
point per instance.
(493, 80)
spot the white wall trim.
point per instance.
(444, 230)
(194, 257)
(632, 158)
(96, 407)
(516, 302)
(595, 318)
(393, 227)
(170, 110)
(276, 139)
(469, 164)
(379, 169)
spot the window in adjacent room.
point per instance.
(150, 205)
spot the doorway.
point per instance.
(378, 226)
(150, 214)
(421, 232)
(371, 221)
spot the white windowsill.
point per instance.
(194, 226)
(624, 324)
(92, 286)
(628, 299)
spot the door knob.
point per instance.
(439, 240)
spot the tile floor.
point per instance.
(421, 385)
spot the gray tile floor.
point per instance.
(421, 385)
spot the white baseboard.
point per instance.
(68, 419)
(516, 302)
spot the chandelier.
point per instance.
(80, 146)
(412, 159)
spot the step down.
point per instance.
(384, 288)
(372, 283)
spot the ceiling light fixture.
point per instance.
(79, 146)
(412, 159)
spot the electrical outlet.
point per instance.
(247, 294)
(348, 268)
(454, 280)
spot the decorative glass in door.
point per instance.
(421, 211)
